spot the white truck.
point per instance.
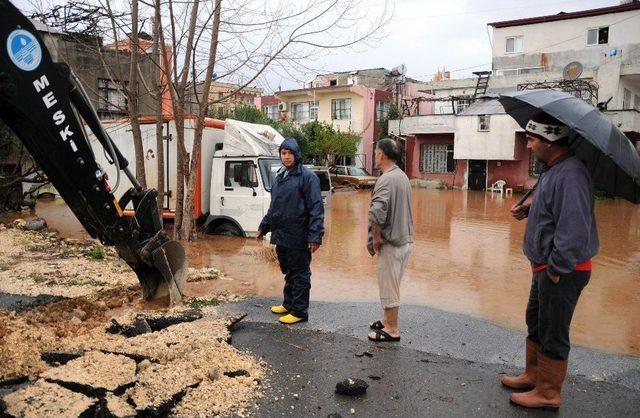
(237, 165)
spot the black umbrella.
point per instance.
(608, 154)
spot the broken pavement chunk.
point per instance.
(56, 358)
(352, 387)
(118, 407)
(160, 387)
(44, 399)
(237, 373)
(95, 373)
(162, 321)
(137, 327)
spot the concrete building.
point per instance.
(351, 101)
(350, 108)
(469, 150)
(228, 95)
(592, 53)
(95, 66)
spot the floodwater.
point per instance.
(467, 258)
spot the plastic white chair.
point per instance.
(498, 186)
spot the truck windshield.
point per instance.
(269, 169)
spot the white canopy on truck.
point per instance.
(249, 139)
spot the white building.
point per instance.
(595, 53)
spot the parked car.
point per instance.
(353, 176)
(325, 183)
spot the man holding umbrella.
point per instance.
(580, 148)
(560, 240)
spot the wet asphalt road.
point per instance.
(446, 365)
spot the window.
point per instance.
(271, 111)
(240, 174)
(636, 102)
(341, 109)
(535, 166)
(483, 123)
(626, 99)
(220, 95)
(514, 44)
(269, 169)
(358, 171)
(111, 95)
(304, 111)
(333, 82)
(462, 104)
(313, 110)
(382, 110)
(436, 158)
(598, 36)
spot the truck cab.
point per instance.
(241, 193)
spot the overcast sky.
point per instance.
(426, 35)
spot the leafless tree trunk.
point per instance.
(132, 95)
(188, 224)
(160, 65)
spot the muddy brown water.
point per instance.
(467, 258)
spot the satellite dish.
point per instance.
(400, 70)
(572, 71)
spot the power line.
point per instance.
(541, 48)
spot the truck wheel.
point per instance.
(227, 229)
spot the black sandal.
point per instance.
(376, 325)
(382, 336)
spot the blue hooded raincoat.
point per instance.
(296, 214)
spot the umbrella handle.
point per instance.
(526, 195)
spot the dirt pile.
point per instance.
(58, 359)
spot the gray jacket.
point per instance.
(561, 227)
(391, 209)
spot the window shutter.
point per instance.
(423, 148)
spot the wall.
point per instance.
(558, 37)
(82, 55)
(430, 124)
(456, 179)
(516, 172)
(497, 144)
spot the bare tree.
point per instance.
(157, 56)
(252, 36)
(200, 41)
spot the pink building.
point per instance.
(354, 101)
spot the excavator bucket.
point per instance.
(159, 263)
(170, 260)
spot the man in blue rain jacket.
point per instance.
(296, 222)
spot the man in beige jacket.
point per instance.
(390, 236)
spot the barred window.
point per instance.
(484, 123)
(304, 111)
(382, 110)
(341, 109)
(111, 95)
(436, 158)
(271, 111)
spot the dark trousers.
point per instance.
(550, 310)
(296, 267)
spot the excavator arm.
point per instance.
(47, 108)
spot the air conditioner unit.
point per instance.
(282, 107)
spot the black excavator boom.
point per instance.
(47, 108)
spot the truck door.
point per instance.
(241, 197)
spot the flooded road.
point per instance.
(467, 258)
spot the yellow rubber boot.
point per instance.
(279, 310)
(291, 319)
